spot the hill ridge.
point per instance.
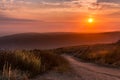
(52, 40)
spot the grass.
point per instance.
(10, 74)
(104, 54)
(32, 62)
(109, 57)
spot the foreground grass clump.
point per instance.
(29, 61)
(32, 62)
(22, 60)
(10, 74)
(51, 60)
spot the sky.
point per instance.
(20, 16)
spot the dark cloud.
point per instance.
(109, 1)
(51, 0)
(115, 14)
(109, 4)
(4, 18)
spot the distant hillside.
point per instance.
(55, 40)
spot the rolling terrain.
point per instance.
(79, 56)
(55, 40)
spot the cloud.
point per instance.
(114, 14)
(33, 7)
(70, 4)
(109, 1)
(51, 1)
(4, 18)
(13, 4)
(109, 6)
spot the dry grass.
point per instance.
(106, 54)
(31, 62)
(9, 74)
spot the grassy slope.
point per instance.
(105, 54)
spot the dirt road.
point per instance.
(83, 71)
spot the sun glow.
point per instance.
(90, 20)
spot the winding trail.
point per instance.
(89, 71)
(83, 71)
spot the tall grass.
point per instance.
(10, 74)
(50, 60)
(32, 62)
(29, 61)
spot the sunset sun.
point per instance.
(90, 20)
